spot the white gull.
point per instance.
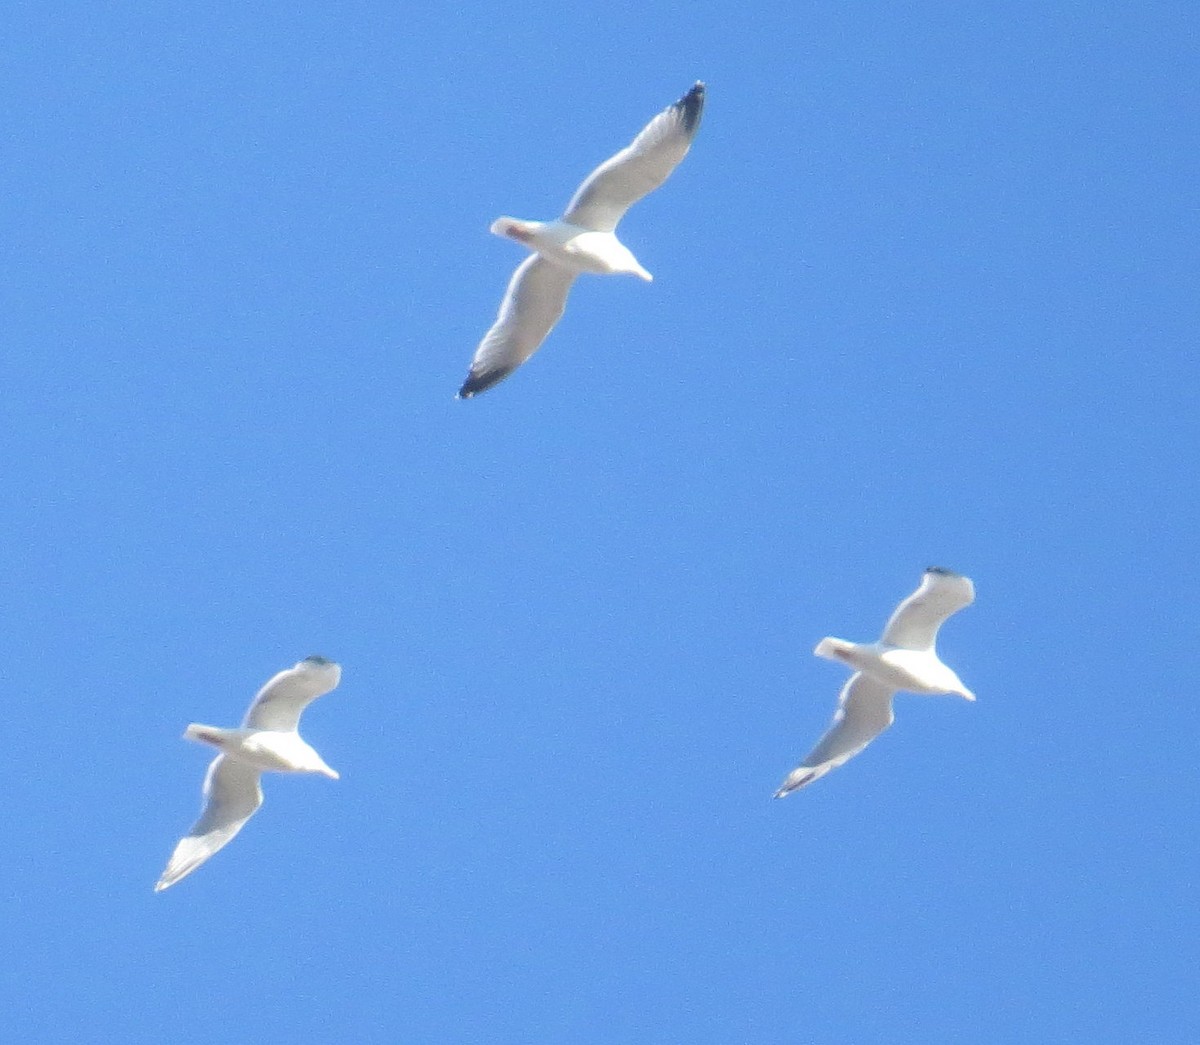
(582, 240)
(905, 658)
(267, 740)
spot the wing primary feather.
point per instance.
(232, 794)
(281, 701)
(916, 621)
(533, 303)
(690, 106)
(641, 167)
(864, 711)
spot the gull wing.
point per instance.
(864, 711)
(279, 703)
(915, 623)
(232, 794)
(533, 303)
(641, 167)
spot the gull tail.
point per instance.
(514, 228)
(213, 735)
(833, 649)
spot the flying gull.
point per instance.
(268, 739)
(905, 658)
(582, 240)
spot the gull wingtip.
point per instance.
(481, 381)
(472, 386)
(691, 105)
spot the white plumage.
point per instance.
(582, 240)
(905, 658)
(268, 740)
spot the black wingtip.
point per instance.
(472, 386)
(481, 382)
(690, 106)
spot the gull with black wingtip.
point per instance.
(268, 740)
(905, 658)
(583, 240)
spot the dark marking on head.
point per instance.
(941, 571)
(318, 661)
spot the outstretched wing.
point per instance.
(915, 623)
(533, 303)
(641, 167)
(232, 794)
(279, 703)
(864, 711)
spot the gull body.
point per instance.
(905, 658)
(267, 741)
(584, 239)
(915, 671)
(271, 750)
(575, 248)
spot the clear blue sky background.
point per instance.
(926, 292)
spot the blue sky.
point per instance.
(925, 292)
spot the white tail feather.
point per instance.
(203, 734)
(832, 649)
